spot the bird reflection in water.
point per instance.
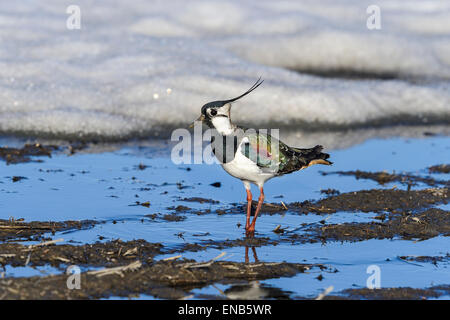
(255, 256)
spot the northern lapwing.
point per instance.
(253, 156)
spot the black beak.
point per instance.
(201, 118)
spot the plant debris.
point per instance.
(200, 200)
(34, 231)
(170, 279)
(441, 168)
(109, 254)
(404, 293)
(384, 177)
(424, 225)
(24, 154)
(375, 200)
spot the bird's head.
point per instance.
(221, 108)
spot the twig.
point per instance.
(28, 259)
(131, 251)
(117, 270)
(325, 293)
(46, 243)
(62, 259)
(25, 227)
(172, 258)
(206, 264)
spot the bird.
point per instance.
(253, 156)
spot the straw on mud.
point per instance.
(172, 258)
(267, 264)
(325, 293)
(62, 259)
(416, 219)
(117, 270)
(279, 229)
(272, 205)
(46, 243)
(206, 264)
(28, 259)
(26, 227)
(131, 251)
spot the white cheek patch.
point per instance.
(223, 125)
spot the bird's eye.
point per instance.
(213, 112)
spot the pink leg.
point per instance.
(251, 230)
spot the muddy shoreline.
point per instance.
(34, 231)
(133, 267)
(407, 206)
(168, 279)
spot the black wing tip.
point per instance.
(321, 155)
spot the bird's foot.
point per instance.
(250, 231)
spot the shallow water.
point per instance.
(351, 260)
(105, 186)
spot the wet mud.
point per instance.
(420, 226)
(427, 259)
(26, 153)
(113, 253)
(169, 279)
(375, 200)
(404, 178)
(130, 268)
(34, 152)
(34, 231)
(441, 168)
(405, 293)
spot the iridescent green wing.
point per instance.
(265, 150)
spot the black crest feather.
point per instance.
(220, 103)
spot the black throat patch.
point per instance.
(224, 147)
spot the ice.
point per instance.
(145, 67)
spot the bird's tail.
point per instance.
(313, 156)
